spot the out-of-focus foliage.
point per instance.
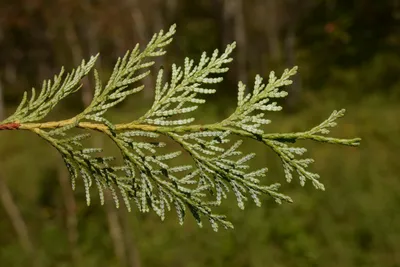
(348, 56)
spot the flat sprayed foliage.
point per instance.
(149, 177)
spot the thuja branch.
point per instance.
(148, 176)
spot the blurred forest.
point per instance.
(348, 53)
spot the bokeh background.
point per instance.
(348, 53)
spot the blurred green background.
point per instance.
(348, 53)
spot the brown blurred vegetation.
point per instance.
(348, 56)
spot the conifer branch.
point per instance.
(149, 176)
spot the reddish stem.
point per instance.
(10, 126)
